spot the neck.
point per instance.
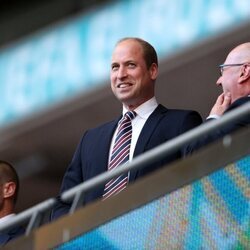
(6, 210)
(134, 105)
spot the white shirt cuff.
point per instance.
(213, 117)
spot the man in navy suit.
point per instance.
(235, 82)
(9, 185)
(134, 69)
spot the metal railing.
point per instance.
(35, 216)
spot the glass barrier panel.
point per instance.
(211, 213)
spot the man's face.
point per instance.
(131, 81)
(229, 80)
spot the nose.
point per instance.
(122, 72)
(218, 82)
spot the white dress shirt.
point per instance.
(5, 218)
(213, 117)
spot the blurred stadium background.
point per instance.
(54, 68)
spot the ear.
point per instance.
(153, 71)
(9, 189)
(245, 73)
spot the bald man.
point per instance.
(235, 82)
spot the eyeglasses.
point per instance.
(230, 65)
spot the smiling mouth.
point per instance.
(124, 85)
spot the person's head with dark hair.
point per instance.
(149, 53)
(134, 69)
(9, 186)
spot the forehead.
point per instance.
(237, 55)
(127, 50)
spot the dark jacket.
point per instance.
(92, 153)
(11, 234)
(228, 129)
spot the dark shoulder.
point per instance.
(104, 126)
(178, 119)
(16, 231)
(178, 112)
(11, 234)
(238, 103)
(104, 130)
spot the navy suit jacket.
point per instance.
(228, 129)
(11, 234)
(92, 153)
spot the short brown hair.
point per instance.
(149, 52)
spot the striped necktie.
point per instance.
(120, 155)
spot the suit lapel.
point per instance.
(146, 133)
(100, 163)
(104, 144)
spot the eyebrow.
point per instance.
(114, 64)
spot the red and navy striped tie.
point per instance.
(120, 155)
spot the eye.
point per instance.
(114, 67)
(131, 65)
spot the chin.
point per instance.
(124, 98)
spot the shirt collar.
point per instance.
(5, 218)
(145, 109)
